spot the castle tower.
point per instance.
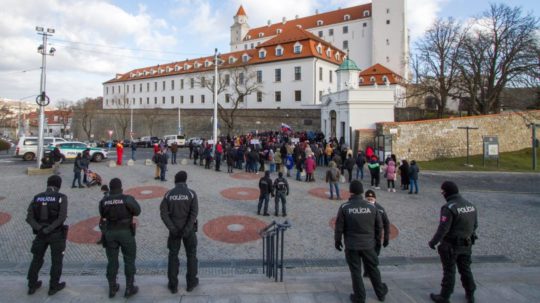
(347, 75)
(240, 27)
(391, 35)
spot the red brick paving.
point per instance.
(394, 231)
(241, 193)
(246, 176)
(324, 193)
(147, 192)
(234, 229)
(86, 231)
(4, 218)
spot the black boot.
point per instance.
(113, 288)
(438, 298)
(32, 289)
(56, 288)
(470, 297)
(131, 288)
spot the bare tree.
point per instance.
(150, 119)
(65, 113)
(5, 114)
(122, 116)
(500, 48)
(243, 82)
(85, 113)
(436, 66)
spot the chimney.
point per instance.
(316, 12)
(269, 23)
(284, 20)
(296, 17)
(118, 76)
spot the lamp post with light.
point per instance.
(42, 100)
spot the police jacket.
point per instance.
(47, 211)
(179, 209)
(360, 223)
(458, 222)
(281, 185)
(118, 210)
(385, 222)
(265, 186)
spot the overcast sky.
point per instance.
(95, 39)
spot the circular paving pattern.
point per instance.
(241, 193)
(4, 218)
(246, 176)
(146, 192)
(394, 231)
(86, 231)
(324, 193)
(234, 229)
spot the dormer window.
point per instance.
(319, 49)
(161, 71)
(372, 79)
(366, 13)
(231, 60)
(262, 54)
(245, 58)
(278, 31)
(207, 63)
(186, 66)
(261, 35)
(385, 79)
(338, 56)
(320, 23)
(248, 37)
(297, 48)
(154, 72)
(279, 51)
(197, 64)
(329, 53)
(347, 17)
(361, 80)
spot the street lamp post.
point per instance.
(215, 99)
(42, 100)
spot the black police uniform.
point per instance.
(456, 234)
(281, 186)
(386, 229)
(265, 187)
(360, 223)
(118, 210)
(179, 209)
(46, 216)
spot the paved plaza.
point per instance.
(508, 203)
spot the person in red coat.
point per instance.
(310, 168)
(119, 152)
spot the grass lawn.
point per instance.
(511, 161)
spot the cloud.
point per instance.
(260, 11)
(421, 14)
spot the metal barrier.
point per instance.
(273, 237)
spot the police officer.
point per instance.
(372, 199)
(281, 186)
(265, 187)
(360, 224)
(456, 235)
(46, 215)
(179, 209)
(118, 210)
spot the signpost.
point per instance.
(491, 149)
(467, 128)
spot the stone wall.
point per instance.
(441, 138)
(195, 122)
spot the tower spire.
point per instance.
(241, 11)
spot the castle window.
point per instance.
(329, 53)
(361, 80)
(387, 42)
(345, 29)
(319, 49)
(365, 24)
(338, 56)
(262, 54)
(331, 32)
(248, 37)
(245, 58)
(366, 13)
(320, 34)
(297, 48)
(388, 11)
(347, 17)
(279, 51)
(320, 22)
(176, 68)
(261, 35)
(231, 60)
(372, 79)
(278, 31)
(345, 44)
(385, 79)
(387, 21)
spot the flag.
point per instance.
(285, 128)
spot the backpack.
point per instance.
(156, 158)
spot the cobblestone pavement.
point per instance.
(508, 203)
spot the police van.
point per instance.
(27, 146)
(179, 139)
(69, 150)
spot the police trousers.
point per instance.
(116, 240)
(452, 256)
(355, 258)
(263, 198)
(281, 195)
(57, 241)
(190, 246)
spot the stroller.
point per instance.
(93, 178)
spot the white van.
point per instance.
(27, 146)
(179, 139)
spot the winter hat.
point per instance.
(280, 174)
(370, 194)
(180, 177)
(115, 184)
(449, 188)
(267, 173)
(55, 181)
(356, 187)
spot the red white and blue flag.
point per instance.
(285, 128)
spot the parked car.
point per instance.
(27, 146)
(69, 150)
(196, 141)
(179, 139)
(147, 141)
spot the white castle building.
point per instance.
(291, 64)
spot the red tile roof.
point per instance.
(241, 11)
(378, 71)
(286, 40)
(328, 18)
